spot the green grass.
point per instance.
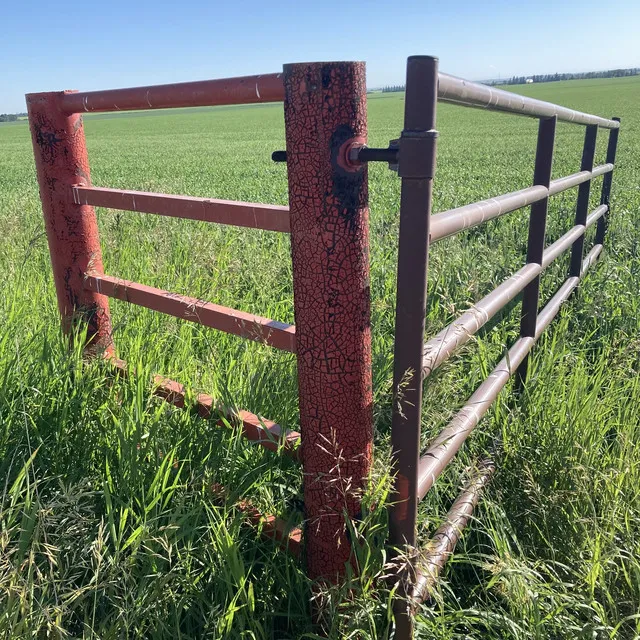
(108, 528)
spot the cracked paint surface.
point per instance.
(325, 108)
(72, 232)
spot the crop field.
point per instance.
(109, 527)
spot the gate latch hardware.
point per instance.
(410, 156)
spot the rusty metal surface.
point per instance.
(472, 94)
(325, 114)
(205, 93)
(443, 543)
(537, 231)
(450, 222)
(605, 195)
(61, 161)
(240, 214)
(245, 325)
(411, 299)
(269, 526)
(266, 433)
(444, 447)
(584, 190)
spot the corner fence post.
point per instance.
(325, 113)
(606, 183)
(72, 231)
(416, 167)
(537, 232)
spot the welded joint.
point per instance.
(417, 154)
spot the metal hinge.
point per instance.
(417, 154)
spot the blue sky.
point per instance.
(48, 45)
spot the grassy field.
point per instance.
(108, 528)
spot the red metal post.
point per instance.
(72, 231)
(325, 113)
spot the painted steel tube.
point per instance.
(445, 446)
(448, 223)
(566, 240)
(245, 325)
(562, 184)
(453, 221)
(239, 214)
(439, 348)
(605, 194)
(416, 170)
(550, 310)
(536, 236)
(472, 94)
(441, 546)
(205, 93)
(453, 336)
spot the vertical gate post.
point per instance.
(416, 167)
(606, 183)
(325, 114)
(584, 191)
(72, 232)
(537, 231)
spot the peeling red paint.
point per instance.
(325, 110)
(72, 231)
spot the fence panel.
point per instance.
(327, 219)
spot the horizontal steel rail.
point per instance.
(439, 549)
(566, 240)
(445, 446)
(205, 93)
(453, 221)
(230, 212)
(266, 433)
(442, 346)
(269, 526)
(575, 179)
(276, 334)
(472, 94)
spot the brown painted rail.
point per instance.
(239, 214)
(458, 333)
(441, 546)
(246, 325)
(446, 445)
(454, 221)
(205, 93)
(472, 94)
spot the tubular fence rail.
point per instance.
(327, 219)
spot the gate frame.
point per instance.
(326, 128)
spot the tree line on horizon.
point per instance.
(556, 77)
(11, 117)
